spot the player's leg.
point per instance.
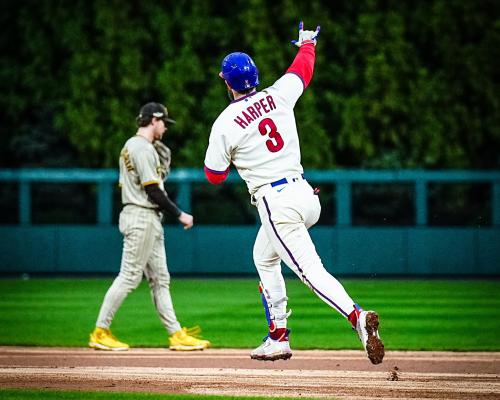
(158, 277)
(285, 217)
(286, 229)
(274, 300)
(366, 323)
(272, 283)
(136, 227)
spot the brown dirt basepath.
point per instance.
(316, 373)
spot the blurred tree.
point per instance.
(397, 84)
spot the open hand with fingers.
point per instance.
(306, 37)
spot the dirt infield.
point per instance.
(338, 374)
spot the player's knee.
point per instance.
(131, 279)
(264, 262)
(162, 280)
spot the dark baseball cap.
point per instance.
(157, 110)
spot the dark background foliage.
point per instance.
(397, 84)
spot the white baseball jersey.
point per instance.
(139, 166)
(258, 134)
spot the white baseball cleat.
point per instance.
(271, 350)
(367, 327)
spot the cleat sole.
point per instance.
(99, 346)
(186, 348)
(272, 357)
(374, 346)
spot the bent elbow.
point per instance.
(216, 177)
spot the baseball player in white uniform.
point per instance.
(258, 135)
(144, 201)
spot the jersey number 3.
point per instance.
(267, 127)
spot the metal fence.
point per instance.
(343, 180)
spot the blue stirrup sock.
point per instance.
(270, 323)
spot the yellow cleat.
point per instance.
(103, 339)
(185, 340)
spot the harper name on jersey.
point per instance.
(255, 111)
(258, 135)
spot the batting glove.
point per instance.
(306, 37)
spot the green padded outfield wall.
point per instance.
(228, 250)
(418, 250)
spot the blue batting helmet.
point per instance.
(239, 70)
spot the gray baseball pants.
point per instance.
(143, 253)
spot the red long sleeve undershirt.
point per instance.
(303, 64)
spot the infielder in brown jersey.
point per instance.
(144, 162)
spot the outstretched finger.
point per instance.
(301, 26)
(316, 33)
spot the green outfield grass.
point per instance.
(415, 314)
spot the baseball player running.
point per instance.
(144, 163)
(258, 135)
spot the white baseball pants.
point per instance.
(286, 212)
